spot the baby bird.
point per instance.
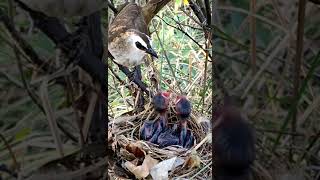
(152, 129)
(183, 110)
(233, 144)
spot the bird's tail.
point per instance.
(152, 8)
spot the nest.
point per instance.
(124, 140)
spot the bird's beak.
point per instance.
(152, 52)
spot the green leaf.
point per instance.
(22, 134)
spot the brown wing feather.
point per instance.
(130, 17)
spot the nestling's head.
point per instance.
(142, 42)
(183, 107)
(161, 101)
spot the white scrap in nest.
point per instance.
(161, 170)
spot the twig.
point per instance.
(204, 168)
(312, 143)
(15, 162)
(76, 113)
(297, 66)
(208, 11)
(185, 33)
(111, 6)
(253, 36)
(197, 11)
(168, 61)
(44, 95)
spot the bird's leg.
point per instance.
(137, 75)
(137, 72)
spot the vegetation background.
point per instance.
(263, 79)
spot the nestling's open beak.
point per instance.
(152, 52)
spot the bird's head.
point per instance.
(142, 42)
(183, 107)
(228, 111)
(161, 101)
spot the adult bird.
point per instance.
(152, 129)
(233, 144)
(128, 39)
(183, 111)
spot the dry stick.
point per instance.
(253, 36)
(48, 109)
(89, 114)
(168, 61)
(297, 67)
(205, 74)
(283, 20)
(14, 159)
(76, 113)
(30, 91)
(313, 142)
(208, 11)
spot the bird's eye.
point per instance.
(140, 46)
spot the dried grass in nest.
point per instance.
(124, 130)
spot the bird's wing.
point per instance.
(130, 17)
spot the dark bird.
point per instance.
(152, 129)
(129, 40)
(168, 137)
(183, 110)
(233, 145)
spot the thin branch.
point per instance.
(111, 6)
(14, 159)
(185, 33)
(25, 83)
(197, 10)
(208, 11)
(168, 61)
(297, 62)
(253, 48)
